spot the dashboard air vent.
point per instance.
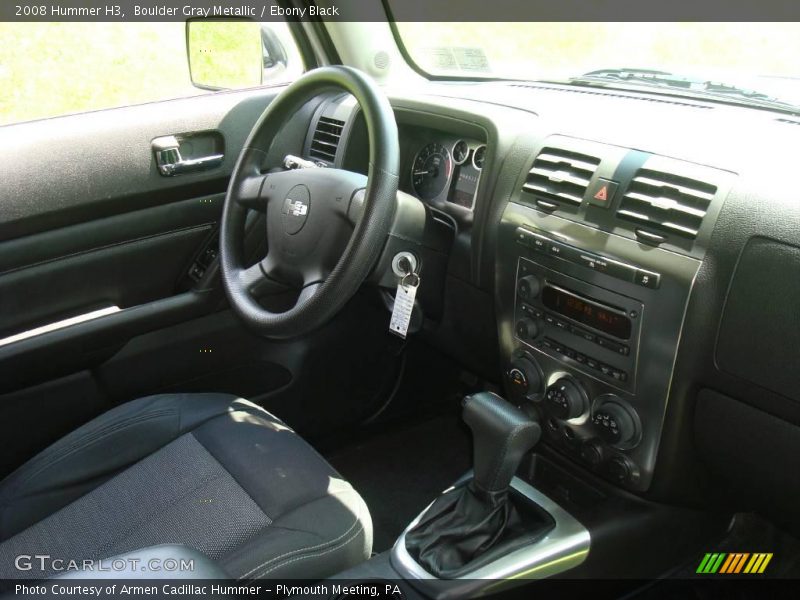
(560, 176)
(666, 203)
(326, 138)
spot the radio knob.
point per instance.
(527, 329)
(566, 399)
(524, 379)
(615, 424)
(528, 287)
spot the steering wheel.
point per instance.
(325, 227)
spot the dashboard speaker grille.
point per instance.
(381, 60)
(560, 176)
(666, 203)
(326, 138)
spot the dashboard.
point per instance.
(624, 268)
(440, 165)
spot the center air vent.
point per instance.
(560, 176)
(326, 139)
(666, 203)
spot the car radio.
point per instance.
(588, 327)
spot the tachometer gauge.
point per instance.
(431, 172)
(478, 157)
(460, 152)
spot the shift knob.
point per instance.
(502, 434)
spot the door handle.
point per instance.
(170, 162)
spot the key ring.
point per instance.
(414, 277)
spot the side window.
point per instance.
(53, 69)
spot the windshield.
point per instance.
(753, 56)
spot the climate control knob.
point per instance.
(527, 329)
(622, 470)
(528, 287)
(524, 379)
(592, 453)
(616, 424)
(566, 399)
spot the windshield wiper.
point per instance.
(694, 86)
(671, 80)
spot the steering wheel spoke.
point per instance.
(308, 292)
(249, 192)
(257, 282)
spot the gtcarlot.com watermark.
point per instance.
(45, 563)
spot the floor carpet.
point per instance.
(398, 473)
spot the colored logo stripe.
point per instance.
(733, 563)
(728, 562)
(711, 563)
(758, 563)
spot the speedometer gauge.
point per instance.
(431, 172)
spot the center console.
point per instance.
(597, 254)
(491, 525)
(593, 350)
(522, 515)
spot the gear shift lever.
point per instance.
(502, 434)
(477, 522)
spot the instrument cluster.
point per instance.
(448, 171)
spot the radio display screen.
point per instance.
(587, 312)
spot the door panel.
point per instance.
(101, 233)
(67, 170)
(124, 274)
(87, 221)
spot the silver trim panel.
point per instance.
(565, 547)
(17, 337)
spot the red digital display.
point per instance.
(587, 312)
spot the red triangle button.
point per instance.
(602, 194)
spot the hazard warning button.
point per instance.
(601, 193)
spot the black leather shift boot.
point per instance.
(467, 528)
(478, 522)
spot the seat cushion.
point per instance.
(212, 472)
